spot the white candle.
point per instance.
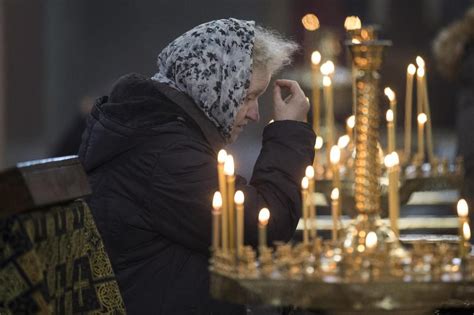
(309, 172)
(263, 217)
(221, 157)
(335, 212)
(239, 205)
(421, 137)
(216, 212)
(304, 208)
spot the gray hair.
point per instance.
(271, 51)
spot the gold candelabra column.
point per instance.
(367, 59)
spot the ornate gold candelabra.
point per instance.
(366, 269)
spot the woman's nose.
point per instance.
(252, 113)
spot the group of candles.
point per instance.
(228, 211)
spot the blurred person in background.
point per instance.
(150, 150)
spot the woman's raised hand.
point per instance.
(294, 107)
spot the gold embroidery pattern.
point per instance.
(53, 261)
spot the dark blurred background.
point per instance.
(56, 56)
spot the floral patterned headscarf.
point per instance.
(212, 63)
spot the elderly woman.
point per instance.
(150, 152)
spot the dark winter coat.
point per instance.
(151, 157)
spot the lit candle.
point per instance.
(239, 205)
(466, 232)
(391, 162)
(328, 100)
(335, 212)
(334, 158)
(427, 110)
(263, 217)
(216, 212)
(463, 212)
(421, 137)
(309, 172)
(304, 208)
(350, 124)
(352, 23)
(371, 241)
(393, 107)
(315, 60)
(318, 144)
(230, 179)
(408, 109)
(310, 22)
(420, 73)
(343, 142)
(390, 131)
(221, 157)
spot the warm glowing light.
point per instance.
(420, 62)
(391, 159)
(466, 231)
(351, 121)
(229, 165)
(327, 68)
(356, 41)
(221, 156)
(463, 208)
(335, 154)
(335, 194)
(343, 141)
(352, 23)
(389, 115)
(271, 121)
(422, 118)
(389, 93)
(217, 201)
(264, 216)
(411, 69)
(326, 81)
(239, 197)
(420, 72)
(309, 172)
(310, 22)
(315, 57)
(305, 183)
(371, 240)
(318, 144)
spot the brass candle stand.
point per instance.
(366, 268)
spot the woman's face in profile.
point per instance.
(249, 109)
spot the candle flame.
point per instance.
(229, 165)
(420, 72)
(221, 156)
(315, 57)
(352, 23)
(239, 197)
(466, 231)
(271, 121)
(391, 159)
(217, 201)
(389, 115)
(305, 183)
(389, 93)
(343, 141)
(371, 240)
(351, 121)
(422, 118)
(326, 81)
(310, 22)
(318, 144)
(420, 62)
(264, 216)
(309, 172)
(335, 154)
(335, 194)
(411, 69)
(327, 68)
(356, 41)
(463, 208)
